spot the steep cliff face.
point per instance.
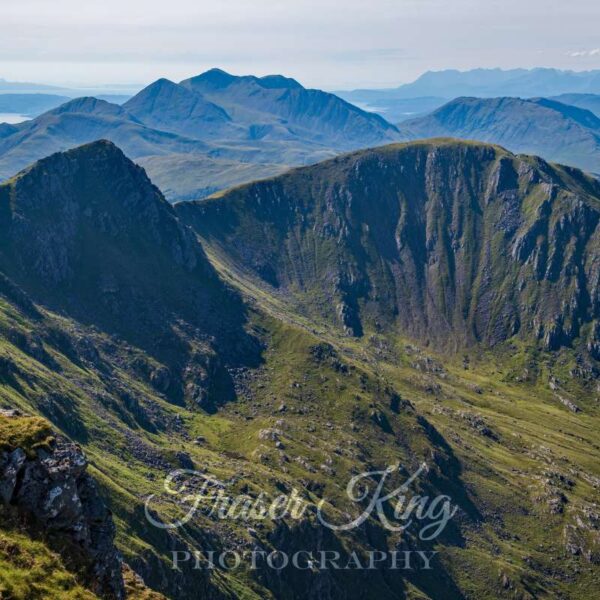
(86, 233)
(43, 481)
(447, 242)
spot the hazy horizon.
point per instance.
(389, 43)
(133, 87)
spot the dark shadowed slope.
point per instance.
(72, 237)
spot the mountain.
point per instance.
(170, 107)
(116, 328)
(14, 87)
(196, 143)
(166, 154)
(81, 121)
(406, 251)
(30, 104)
(498, 82)
(434, 88)
(429, 307)
(556, 131)
(106, 92)
(589, 102)
(276, 107)
(115, 290)
(256, 110)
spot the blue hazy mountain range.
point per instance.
(216, 130)
(590, 102)
(434, 88)
(556, 131)
(30, 105)
(208, 130)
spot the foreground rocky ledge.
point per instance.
(43, 479)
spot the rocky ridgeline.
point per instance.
(444, 241)
(49, 488)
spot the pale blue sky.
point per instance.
(322, 43)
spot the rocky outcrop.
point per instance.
(49, 488)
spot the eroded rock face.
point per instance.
(53, 492)
(445, 242)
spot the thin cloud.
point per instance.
(584, 53)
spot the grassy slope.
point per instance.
(29, 570)
(328, 401)
(511, 480)
(540, 451)
(530, 465)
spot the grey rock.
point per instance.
(56, 494)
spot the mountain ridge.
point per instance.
(557, 132)
(314, 111)
(435, 88)
(430, 239)
(270, 122)
(483, 82)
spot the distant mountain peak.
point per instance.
(219, 79)
(525, 83)
(163, 82)
(215, 78)
(174, 107)
(159, 87)
(278, 82)
(557, 132)
(88, 105)
(291, 111)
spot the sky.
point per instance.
(322, 43)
